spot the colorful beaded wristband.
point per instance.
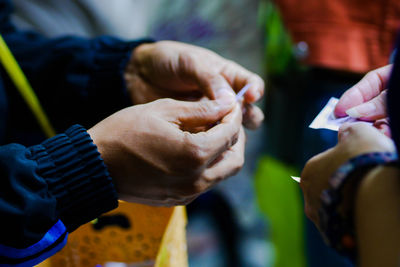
(337, 228)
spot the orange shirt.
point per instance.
(347, 35)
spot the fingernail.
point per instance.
(352, 112)
(361, 111)
(225, 97)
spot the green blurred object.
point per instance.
(278, 44)
(280, 199)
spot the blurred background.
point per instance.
(255, 218)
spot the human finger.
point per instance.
(209, 145)
(203, 113)
(371, 110)
(358, 138)
(203, 70)
(252, 116)
(238, 77)
(230, 162)
(383, 126)
(369, 87)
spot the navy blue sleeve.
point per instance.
(393, 99)
(47, 191)
(77, 80)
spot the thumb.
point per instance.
(372, 110)
(365, 90)
(206, 112)
(211, 81)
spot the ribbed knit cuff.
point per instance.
(77, 177)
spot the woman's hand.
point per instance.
(354, 139)
(367, 99)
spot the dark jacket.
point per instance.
(48, 189)
(393, 98)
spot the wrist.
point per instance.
(336, 212)
(133, 64)
(76, 176)
(133, 74)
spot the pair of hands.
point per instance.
(365, 101)
(166, 152)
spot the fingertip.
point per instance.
(254, 94)
(368, 111)
(340, 109)
(339, 112)
(351, 98)
(252, 117)
(353, 113)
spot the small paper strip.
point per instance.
(297, 179)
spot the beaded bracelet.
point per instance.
(338, 229)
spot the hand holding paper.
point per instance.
(367, 99)
(326, 119)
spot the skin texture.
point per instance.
(367, 99)
(377, 197)
(167, 152)
(354, 139)
(176, 70)
(154, 156)
(377, 218)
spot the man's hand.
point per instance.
(367, 99)
(354, 139)
(175, 70)
(156, 155)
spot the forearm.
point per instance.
(377, 218)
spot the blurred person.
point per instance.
(51, 188)
(335, 43)
(360, 175)
(330, 46)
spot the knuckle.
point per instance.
(374, 81)
(381, 100)
(164, 102)
(352, 128)
(231, 64)
(195, 152)
(186, 60)
(345, 128)
(230, 141)
(372, 76)
(204, 108)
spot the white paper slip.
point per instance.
(242, 92)
(297, 179)
(326, 118)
